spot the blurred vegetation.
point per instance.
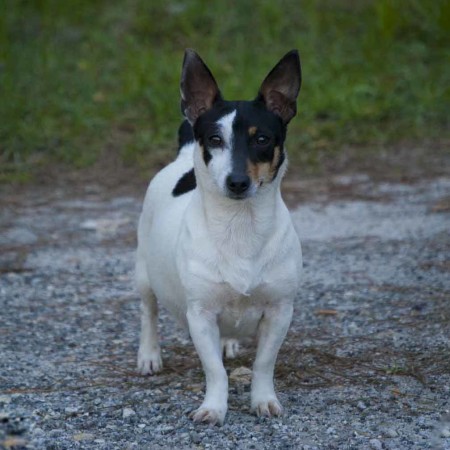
(79, 79)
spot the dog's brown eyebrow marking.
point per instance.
(252, 131)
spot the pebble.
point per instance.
(127, 412)
(361, 406)
(71, 410)
(83, 437)
(390, 432)
(376, 444)
(195, 437)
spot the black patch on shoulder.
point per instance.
(185, 134)
(185, 184)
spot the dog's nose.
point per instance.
(238, 183)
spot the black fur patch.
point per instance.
(206, 155)
(185, 134)
(185, 184)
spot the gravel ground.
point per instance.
(366, 364)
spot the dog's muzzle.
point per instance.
(238, 185)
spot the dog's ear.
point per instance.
(198, 87)
(280, 88)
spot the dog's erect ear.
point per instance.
(280, 89)
(198, 87)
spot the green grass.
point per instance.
(81, 79)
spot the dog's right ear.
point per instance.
(198, 87)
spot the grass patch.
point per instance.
(79, 79)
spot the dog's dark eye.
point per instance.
(215, 140)
(262, 140)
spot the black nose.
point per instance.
(237, 183)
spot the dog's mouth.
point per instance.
(234, 196)
(239, 195)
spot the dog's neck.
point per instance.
(239, 227)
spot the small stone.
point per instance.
(5, 399)
(195, 437)
(241, 374)
(376, 444)
(166, 429)
(390, 432)
(361, 406)
(127, 412)
(83, 437)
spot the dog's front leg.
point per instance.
(271, 333)
(206, 337)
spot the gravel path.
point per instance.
(366, 364)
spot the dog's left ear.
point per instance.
(198, 87)
(280, 89)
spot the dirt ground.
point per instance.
(366, 364)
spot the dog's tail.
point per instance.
(185, 134)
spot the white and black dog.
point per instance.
(216, 244)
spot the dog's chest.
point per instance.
(222, 270)
(231, 250)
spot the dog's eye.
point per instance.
(215, 140)
(262, 140)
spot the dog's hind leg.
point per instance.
(149, 354)
(230, 347)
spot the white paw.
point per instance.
(267, 407)
(211, 415)
(149, 362)
(230, 348)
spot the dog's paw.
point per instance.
(230, 348)
(205, 414)
(267, 408)
(149, 363)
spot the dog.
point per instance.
(216, 244)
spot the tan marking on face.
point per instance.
(252, 131)
(258, 172)
(261, 173)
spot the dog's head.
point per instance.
(242, 142)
